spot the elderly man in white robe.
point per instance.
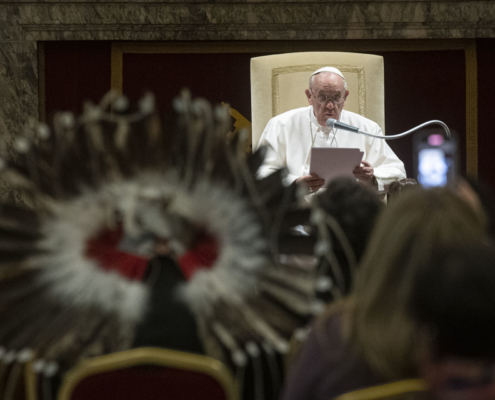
(290, 136)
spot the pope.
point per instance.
(290, 136)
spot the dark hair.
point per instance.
(397, 188)
(487, 200)
(356, 209)
(406, 237)
(455, 298)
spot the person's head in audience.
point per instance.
(405, 238)
(398, 188)
(356, 209)
(453, 303)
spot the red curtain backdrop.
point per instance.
(485, 49)
(75, 72)
(419, 86)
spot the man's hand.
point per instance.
(364, 173)
(312, 182)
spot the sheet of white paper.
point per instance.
(330, 162)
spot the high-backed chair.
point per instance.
(151, 374)
(278, 83)
(409, 389)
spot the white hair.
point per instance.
(311, 80)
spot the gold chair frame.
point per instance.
(149, 356)
(386, 390)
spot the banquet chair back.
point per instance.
(151, 374)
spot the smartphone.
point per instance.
(435, 158)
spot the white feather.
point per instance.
(149, 203)
(75, 279)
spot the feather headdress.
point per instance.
(70, 289)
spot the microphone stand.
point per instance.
(333, 123)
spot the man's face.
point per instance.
(329, 86)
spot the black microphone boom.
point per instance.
(333, 123)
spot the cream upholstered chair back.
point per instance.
(278, 83)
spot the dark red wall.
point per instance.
(419, 86)
(217, 77)
(486, 109)
(75, 72)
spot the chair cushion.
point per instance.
(150, 383)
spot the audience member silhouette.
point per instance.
(356, 209)
(370, 337)
(453, 302)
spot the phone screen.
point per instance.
(433, 167)
(435, 159)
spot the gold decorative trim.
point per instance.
(276, 72)
(31, 381)
(471, 110)
(241, 126)
(41, 82)
(149, 356)
(386, 390)
(286, 46)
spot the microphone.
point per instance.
(333, 123)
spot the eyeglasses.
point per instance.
(336, 100)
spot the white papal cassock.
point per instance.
(290, 136)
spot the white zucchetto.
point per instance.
(329, 69)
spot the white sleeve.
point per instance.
(386, 165)
(269, 140)
(275, 151)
